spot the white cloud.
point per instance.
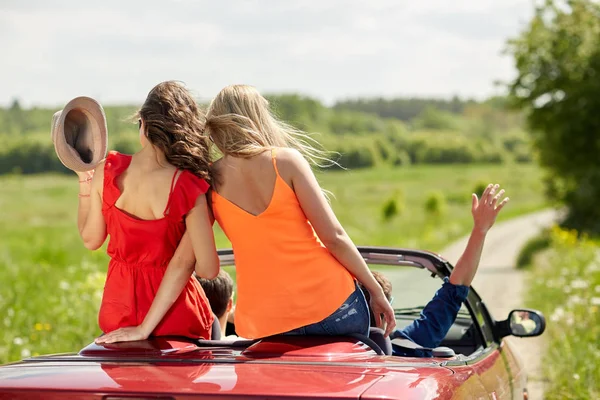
(117, 50)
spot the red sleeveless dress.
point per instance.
(140, 251)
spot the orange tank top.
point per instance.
(286, 278)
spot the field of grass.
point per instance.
(565, 285)
(51, 286)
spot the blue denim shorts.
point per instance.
(352, 317)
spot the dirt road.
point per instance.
(502, 285)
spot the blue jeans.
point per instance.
(351, 317)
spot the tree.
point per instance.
(557, 58)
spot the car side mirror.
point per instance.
(521, 323)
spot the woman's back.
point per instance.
(248, 183)
(286, 278)
(145, 189)
(145, 219)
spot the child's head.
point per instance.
(172, 122)
(241, 124)
(219, 292)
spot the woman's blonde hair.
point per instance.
(240, 124)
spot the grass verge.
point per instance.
(566, 287)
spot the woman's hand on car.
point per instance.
(381, 306)
(129, 334)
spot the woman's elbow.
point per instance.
(208, 269)
(334, 240)
(92, 242)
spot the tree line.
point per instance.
(361, 133)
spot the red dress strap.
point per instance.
(171, 192)
(114, 165)
(187, 189)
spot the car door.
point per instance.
(491, 364)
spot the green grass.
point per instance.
(51, 286)
(360, 196)
(566, 287)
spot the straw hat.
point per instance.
(79, 134)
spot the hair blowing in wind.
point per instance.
(174, 124)
(240, 124)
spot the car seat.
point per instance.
(376, 335)
(215, 330)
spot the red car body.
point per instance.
(290, 367)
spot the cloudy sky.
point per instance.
(116, 50)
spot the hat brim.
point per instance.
(80, 134)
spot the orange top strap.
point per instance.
(273, 157)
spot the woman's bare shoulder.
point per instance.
(289, 156)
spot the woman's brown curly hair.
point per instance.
(174, 123)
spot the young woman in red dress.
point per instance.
(145, 202)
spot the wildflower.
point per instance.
(594, 266)
(18, 341)
(25, 353)
(575, 299)
(579, 284)
(576, 377)
(38, 326)
(595, 301)
(597, 289)
(47, 327)
(558, 314)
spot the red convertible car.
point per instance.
(474, 362)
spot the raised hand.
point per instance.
(486, 209)
(85, 176)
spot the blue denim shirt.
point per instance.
(435, 320)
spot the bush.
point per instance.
(392, 207)
(389, 209)
(29, 157)
(531, 248)
(401, 158)
(440, 148)
(435, 205)
(126, 146)
(480, 188)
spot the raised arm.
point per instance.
(334, 237)
(485, 211)
(198, 238)
(90, 221)
(440, 313)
